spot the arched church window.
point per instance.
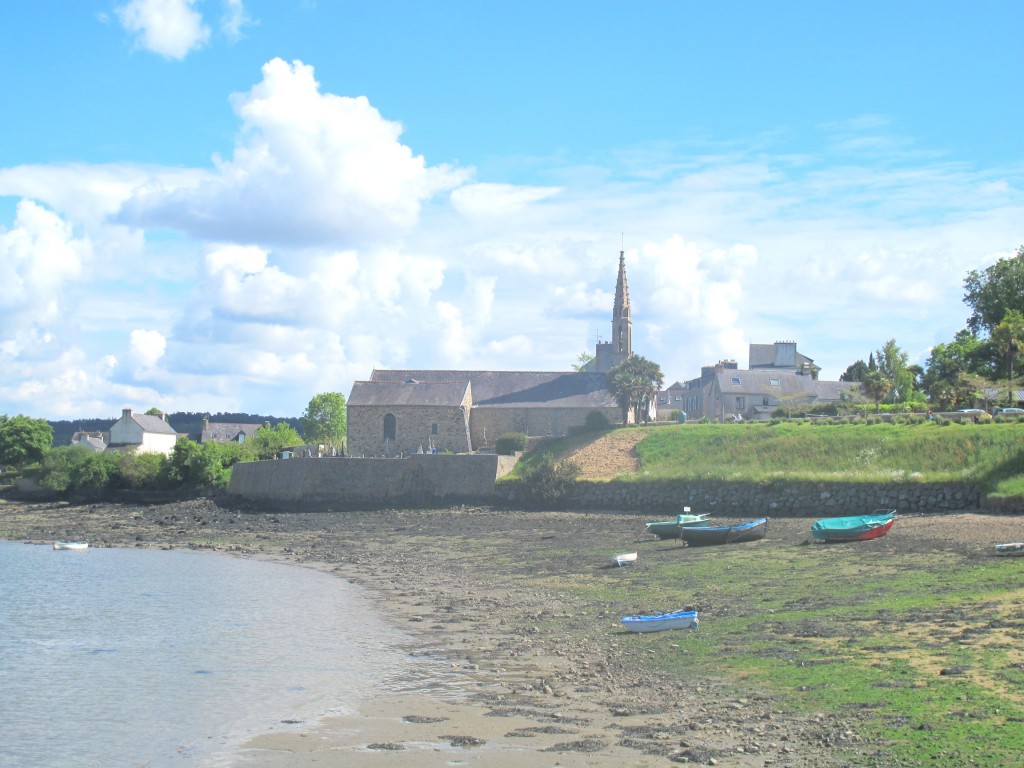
(389, 427)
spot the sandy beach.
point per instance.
(539, 675)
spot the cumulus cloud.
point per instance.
(147, 347)
(308, 168)
(170, 28)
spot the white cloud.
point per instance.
(147, 347)
(170, 28)
(234, 18)
(482, 200)
(308, 168)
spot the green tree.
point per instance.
(205, 465)
(855, 372)
(877, 387)
(634, 383)
(893, 366)
(991, 292)
(23, 440)
(267, 442)
(584, 362)
(325, 420)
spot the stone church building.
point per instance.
(405, 411)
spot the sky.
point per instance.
(234, 205)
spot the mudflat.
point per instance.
(542, 673)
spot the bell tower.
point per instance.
(608, 354)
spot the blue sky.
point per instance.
(232, 205)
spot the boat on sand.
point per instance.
(752, 530)
(856, 528)
(661, 621)
(627, 558)
(672, 529)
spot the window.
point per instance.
(774, 382)
(389, 427)
(433, 429)
(764, 401)
(735, 379)
(741, 403)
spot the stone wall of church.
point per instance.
(415, 427)
(488, 424)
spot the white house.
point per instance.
(143, 433)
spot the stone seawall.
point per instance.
(420, 478)
(783, 498)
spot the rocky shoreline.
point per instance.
(544, 671)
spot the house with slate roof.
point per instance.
(94, 441)
(778, 377)
(144, 433)
(406, 411)
(226, 432)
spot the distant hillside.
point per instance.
(187, 422)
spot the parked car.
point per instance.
(975, 413)
(1009, 412)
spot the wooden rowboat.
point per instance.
(857, 528)
(75, 545)
(726, 534)
(661, 622)
(672, 529)
(627, 558)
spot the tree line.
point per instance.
(25, 442)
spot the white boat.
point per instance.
(77, 545)
(1015, 548)
(661, 622)
(627, 558)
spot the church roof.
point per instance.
(505, 389)
(408, 390)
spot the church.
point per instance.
(400, 412)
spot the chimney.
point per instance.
(126, 413)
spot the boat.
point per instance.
(661, 622)
(77, 545)
(857, 528)
(751, 530)
(1014, 548)
(627, 558)
(671, 529)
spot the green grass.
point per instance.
(822, 629)
(988, 454)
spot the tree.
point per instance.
(584, 362)
(634, 383)
(893, 366)
(855, 372)
(23, 440)
(267, 442)
(325, 420)
(991, 292)
(878, 388)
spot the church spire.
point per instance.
(622, 325)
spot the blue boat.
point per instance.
(726, 534)
(661, 621)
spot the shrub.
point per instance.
(548, 482)
(509, 443)
(596, 422)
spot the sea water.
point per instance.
(137, 657)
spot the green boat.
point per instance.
(673, 529)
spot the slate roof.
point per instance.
(226, 431)
(522, 389)
(408, 391)
(153, 424)
(735, 382)
(763, 356)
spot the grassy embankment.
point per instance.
(923, 650)
(988, 454)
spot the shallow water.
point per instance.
(132, 657)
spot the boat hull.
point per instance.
(857, 528)
(1014, 548)
(71, 545)
(672, 529)
(627, 558)
(661, 622)
(726, 534)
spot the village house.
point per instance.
(408, 411)
(143, 433)
(226, 432)
(782, 378)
